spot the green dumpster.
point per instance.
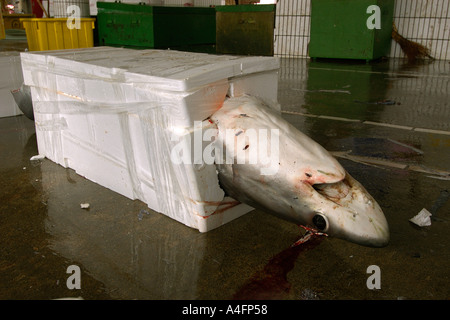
(136, 25)
(245, 29)
(351, 29)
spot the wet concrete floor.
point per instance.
(389, 126)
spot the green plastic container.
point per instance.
(245, 29)
(136, 25)
(339, 29)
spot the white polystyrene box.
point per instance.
(10, 79)
(114, 115)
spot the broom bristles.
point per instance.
(413, 50)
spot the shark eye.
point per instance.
(320, 222)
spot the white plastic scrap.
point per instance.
(422, 219)
(84, 205)
(37, 157)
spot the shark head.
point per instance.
(344, 209)
(292, 176)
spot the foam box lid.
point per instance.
(162, 69)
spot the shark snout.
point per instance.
(351, 213)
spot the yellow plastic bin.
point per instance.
(56, 34)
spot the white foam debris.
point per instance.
(37, 157)
(84, 205)
(422, 219)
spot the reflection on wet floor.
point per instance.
(127, 251)
(357, 90)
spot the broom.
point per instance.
(413, 50)
(43, 9)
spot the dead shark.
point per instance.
(301, 183)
